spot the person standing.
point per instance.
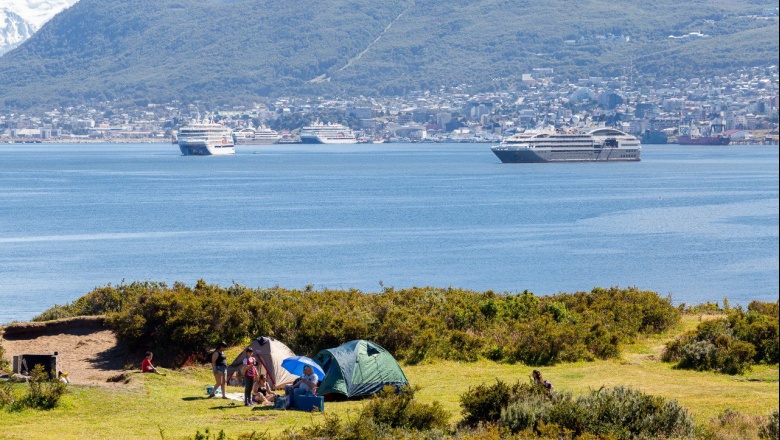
(250, 373)
(219, 368)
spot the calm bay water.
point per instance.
(700, 223)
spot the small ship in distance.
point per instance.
(319, 133)
(260, 136)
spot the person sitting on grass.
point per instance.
(262, 393)
(540, 381)
(146, 365)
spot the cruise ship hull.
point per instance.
(269, 141)
(320, 140)
(703, 140)
(203, 149)
(544, 155)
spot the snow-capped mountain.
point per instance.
(19, 19)
(14, 30)
(37, 12)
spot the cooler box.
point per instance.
(309, 403)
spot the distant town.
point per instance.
(742, 106)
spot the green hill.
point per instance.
(223, 51)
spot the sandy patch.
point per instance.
(89, 353)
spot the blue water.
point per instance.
(700, 223)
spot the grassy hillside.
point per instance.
(227, 51)
(176, 404)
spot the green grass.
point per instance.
(176, 403)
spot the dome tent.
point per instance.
(269, 354)
(358, 368)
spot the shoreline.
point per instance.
(91, 141)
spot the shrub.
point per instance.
(625, 413)
(484, 403)
(57, 312)
(618, 412)
(699, 355)
(771, 428)
(389, 414)
(208, 435)
(3, 361)
(526, 414)
(399, 410)
(179, 323)
(737, 357)
(731, 424)
(730, 344)
(570, 414)
(45, 391)
(6, 393)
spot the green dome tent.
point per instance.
(358, 368)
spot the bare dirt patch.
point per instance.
(88, 351)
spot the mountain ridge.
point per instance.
(37, 12)
(14, 30)
(221, 51)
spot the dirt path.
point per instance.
(324, 76)
(88, 352)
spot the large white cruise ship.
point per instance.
(319, 133)
(261, 136)
(206, 139)
(601, 144)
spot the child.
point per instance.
(146, 365)
(250, 372)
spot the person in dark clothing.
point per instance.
(263, 393)
(540, 381)
(219, 368)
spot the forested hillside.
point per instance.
(227, 51)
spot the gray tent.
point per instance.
(269, 354)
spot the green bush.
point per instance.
(730, 344)
(771, 428)
(484, 403)
(45, 391)
(208, 435)
(699, 355)
(6, 393)
(570, 415)
(180, 323)
(390, 414)
(400, 410)
(619, 412)
(3, 361)
(526, 414)
(57, 312)
(731, 424)
(625, 413)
